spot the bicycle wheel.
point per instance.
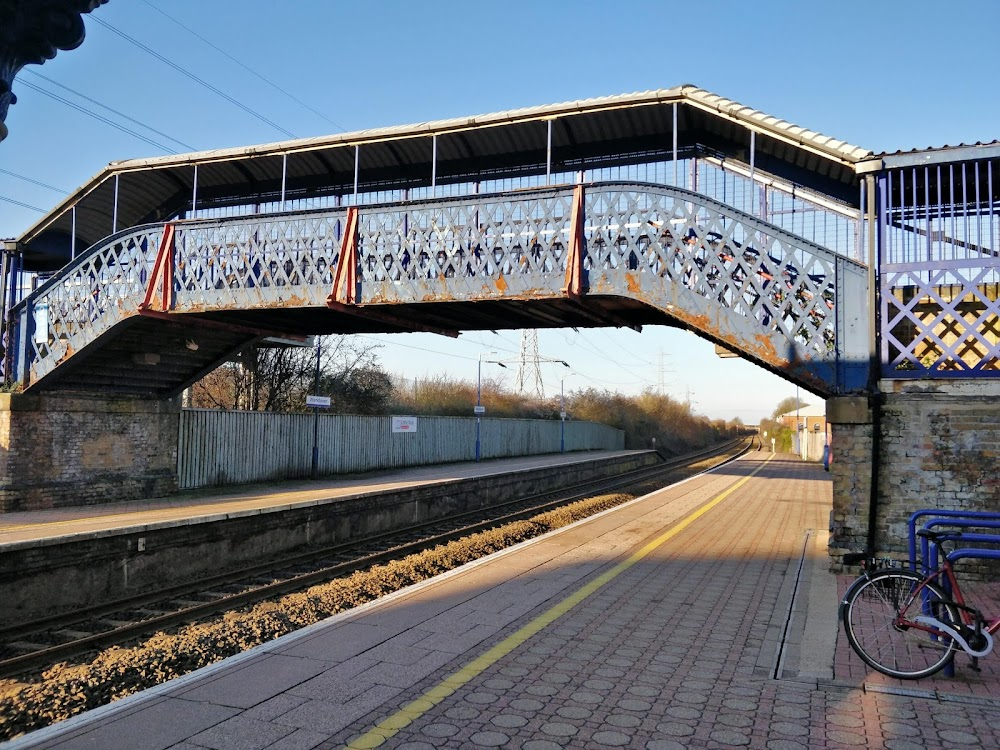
(872, 605)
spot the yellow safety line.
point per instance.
(417, 708)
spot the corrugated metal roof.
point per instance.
(705, 99)
(775, 126)
(587, 129)
(931, 155)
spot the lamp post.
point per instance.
(315, 452)
(479, 410)
(562, 410)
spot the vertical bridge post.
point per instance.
(573, 285)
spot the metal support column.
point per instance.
(434, 165)
(284, 175)
(753, 159)
(357, 158)
(114, 210)
(675, 144)
(72, 237)
(548, 154)
(194, 194)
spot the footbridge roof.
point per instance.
(586, 133)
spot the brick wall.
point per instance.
(940, 449)
(58, 450)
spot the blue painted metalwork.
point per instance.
(939, 265)
(967, 518)
(782, 300)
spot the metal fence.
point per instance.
(235, 447)
(939, 265)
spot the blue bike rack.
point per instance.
(953, 518)
(960, 518)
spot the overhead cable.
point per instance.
(22, 205)
(190, 75)
(96, 116)
(114, 111)
(245, 66)
(34, 182)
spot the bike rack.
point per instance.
(955, 518)
(960, 518)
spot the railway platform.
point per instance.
(701, 615)
(211, 503)
(61, 560)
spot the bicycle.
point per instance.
(908, 625)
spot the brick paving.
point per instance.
(678, 651)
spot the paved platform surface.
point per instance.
(188, 507)
(699, 616)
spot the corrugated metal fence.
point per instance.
(234, 447)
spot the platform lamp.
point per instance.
(480, 410)
(562, 409)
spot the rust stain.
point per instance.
(70, 351)
(633, 284)
(501, 284)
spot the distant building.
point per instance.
(809, 430)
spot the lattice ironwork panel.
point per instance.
(729, 272)
(93, 294)
(939, 233)
(943, 323)
(491, 247)
(269, 261)
(781, 299)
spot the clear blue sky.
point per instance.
(881, 75)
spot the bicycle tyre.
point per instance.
(869, 609)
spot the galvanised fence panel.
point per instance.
(234, 447)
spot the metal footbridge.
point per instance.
(150, 310)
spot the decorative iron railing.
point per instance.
(783, 300)
(939, 265)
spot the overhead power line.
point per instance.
(22, 205)
(32, 181)
(190, 75)
(96, 116)
(245, 66)
(113, 111)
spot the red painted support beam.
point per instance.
(347, 264)
(573, 286)
(163, 271)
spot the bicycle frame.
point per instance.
(971, 618)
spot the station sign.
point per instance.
(318, 402)
(404, 424)
(478, 409)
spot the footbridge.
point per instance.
(872, 280)
(151, 309)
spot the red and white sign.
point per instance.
(404, 424)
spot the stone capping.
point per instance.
(848, 410)
(83, 402)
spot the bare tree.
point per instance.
(279, 378)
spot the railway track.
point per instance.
(34, 646)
